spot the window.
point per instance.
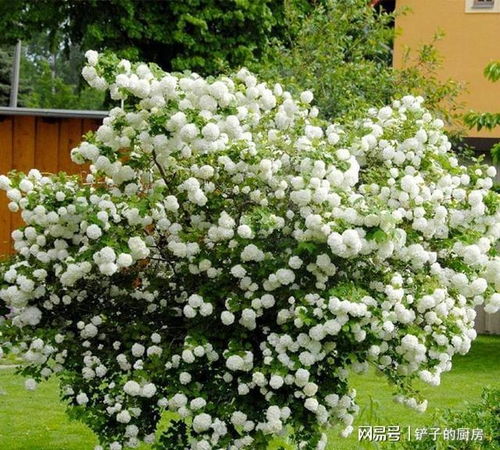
(483, 4)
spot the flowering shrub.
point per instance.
(231, 258)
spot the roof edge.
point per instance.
(62, 113)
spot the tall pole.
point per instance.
(14, 85)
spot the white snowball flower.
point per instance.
(94, 231)
(197, 403)
(185, 378)
(202, 422)
(306, 96)
(92, 57)
(138, 248)
(252, 253)
(26, 185)
(295, 262)
(132, 388)
(311, 404)
(235, 362)
(124, 260)
(138, 350)
(238, 271)
(227, 317)
(30, 384)
(285, 276)
(82, 398)
(123, 416)
(148, 390)
(245, 232)
(276, 381)
(210, 131)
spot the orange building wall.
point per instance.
(471, 41)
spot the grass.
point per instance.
(36, 420)
(464, 383)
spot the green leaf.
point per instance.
(376, 234)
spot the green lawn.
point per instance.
(36, 420)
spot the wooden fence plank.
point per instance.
(47, 144)
(23, 152)
(91, 124)
(70, 135)
(23, 155)
(6, 137)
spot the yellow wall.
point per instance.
(471, 41)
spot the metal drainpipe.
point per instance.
(14, 85)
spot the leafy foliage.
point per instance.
(419, 76)
(479, 121)
(342, 51)
(487, 120)
(492, 71)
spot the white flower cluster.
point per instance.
(231, 258)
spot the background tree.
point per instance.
(5, 74)
(206, 36)
(54, 76)
(6, 60)
(48, 78)
(342, 51)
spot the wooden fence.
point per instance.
(41, 139)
